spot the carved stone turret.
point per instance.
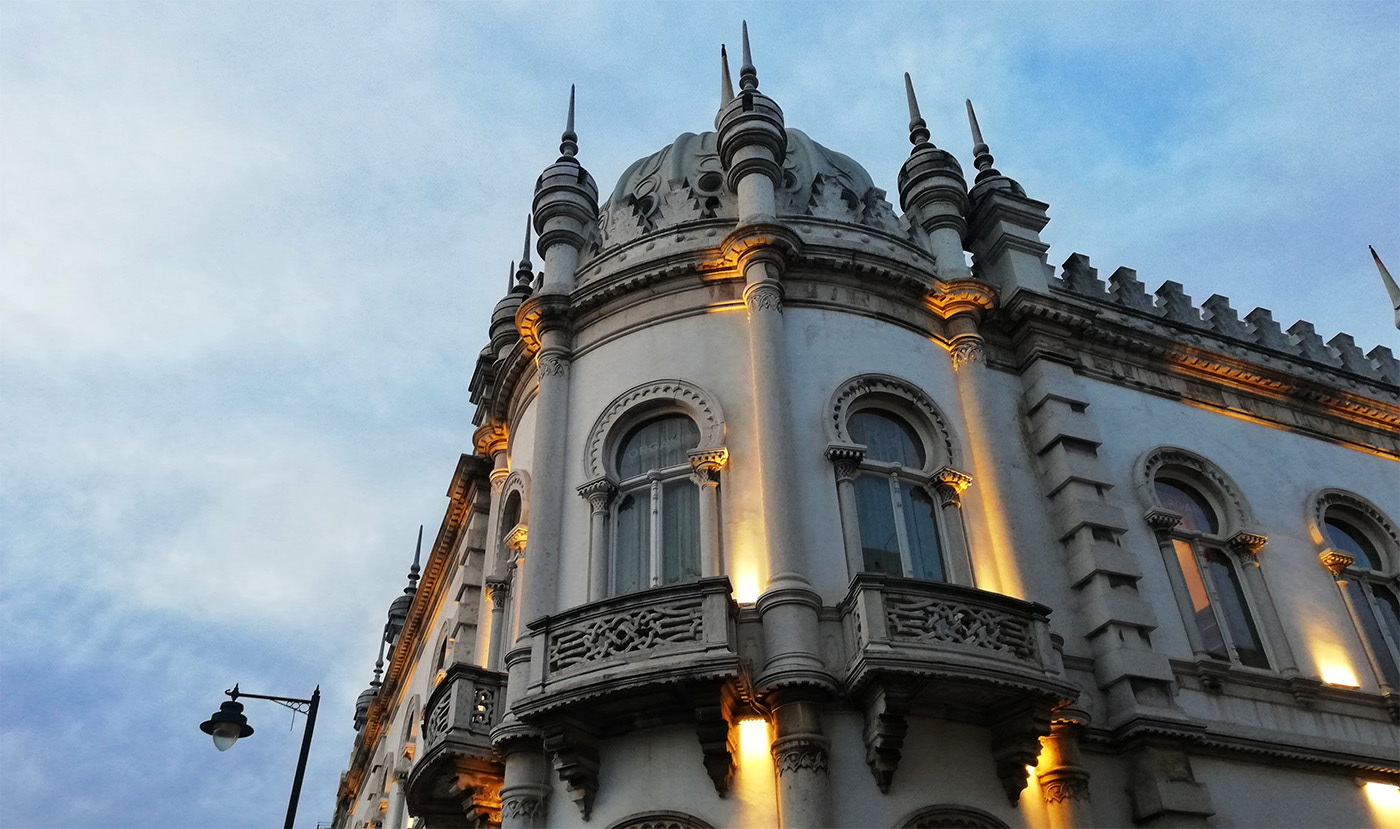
(752, 143)
(933, 192)
(565, 208)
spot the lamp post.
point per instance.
(228, 725)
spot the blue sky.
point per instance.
(248, 253)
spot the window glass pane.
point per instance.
(1195, 511)
(920, 527)
(657, 444)
(887, 438)
(1353, 542)
(875, 511)
(1389, 615)
(510, 517)
(1372, 626)
(1205, 620)
(632, 543)
(1242, 631)
(680, 531)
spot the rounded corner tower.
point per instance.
(783, 510)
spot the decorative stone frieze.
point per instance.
(800, 754)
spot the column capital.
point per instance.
(1336, 562)
(1161, 520)
(599, 492)
(845, 460)
(498, 480)
(498, 588)
(1247, 543)
(801, 752)
(517, 538)
(705, 465)
(968, 351)
(950, 484)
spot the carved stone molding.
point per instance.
(962, 296)
(1247, 543)
(498, 481)
(599, 493)
(1336, 562)
(800, 753)
(1324, 499)
(764, 296)
(845, 460)
(553, 365)
(523, 807)
(950, 484)
(1162, 520)
(885, 728)
(1197, 472)
(658, 396)
(966, 352)
(852, 391)
(491, 437)
(498, 590)
(1058, 788)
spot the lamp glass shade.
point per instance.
(227, 726)
(225, 735)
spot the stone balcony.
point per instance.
(456, 781)
(966, 654)
(662, 656)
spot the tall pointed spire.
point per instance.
(1390, 286)
(525, 271)
(726, 86)
(568, 142)
(510, 277)
(918, 129)
(417, 555)
(748, 75)
(982, 155)
(379, 662)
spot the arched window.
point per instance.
(895, 505)
(1360, 547)
(1206, 577)
(656, 512)
(951, 817)
(897, 485)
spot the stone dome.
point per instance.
(685, 182)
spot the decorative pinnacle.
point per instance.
(748, 75)
(568, 142)
(413, 571)
(918, 129)
(378, 663)
(510, 277)
(982, 155)
(525, 272)
(726, 86)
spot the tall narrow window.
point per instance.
(656, 514)
(895, 509)
(1219, 607)
(1372, 594)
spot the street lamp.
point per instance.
(228, 725)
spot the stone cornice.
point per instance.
(470, 483)
(1241, 380)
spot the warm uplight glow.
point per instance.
(1385, 802)
(754, 742)
(1333, 663)
(1336, 673)
(746, 587)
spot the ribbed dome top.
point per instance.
(685, 182)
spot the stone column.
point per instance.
(1246, 547)
(498, 592)
(800, 754)
(949, 483)
(1162, 523)
(705, 467)
(845, 462)
(599, 494)
(394, 815)
(1064, 782)
(525, 790)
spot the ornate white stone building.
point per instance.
(780, 513)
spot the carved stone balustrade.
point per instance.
(962, 653)
(666, 655)
(457, 779)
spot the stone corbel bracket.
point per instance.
(886, 725)
(539, 312)
(960, 296)
(574, 745)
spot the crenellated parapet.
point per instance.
(1257, 330)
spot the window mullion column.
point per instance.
(1162, 523)
(901, 532)
(655, 552)
(1217, 607)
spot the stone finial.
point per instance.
(1126, 290)
(525, 271)
(1390, 287)
(726, 86)
(1385, 366)
(1308, 344)
(748, 75)
(568, 142)
(918, 128)
(510, 277)
(982, 154)
(417, 556)
(1265, 331)
(1176, 303)
(1222, 318)
(1081, 277)
(1351, 357)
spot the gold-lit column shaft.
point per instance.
(949, 484)
(1064, 782)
